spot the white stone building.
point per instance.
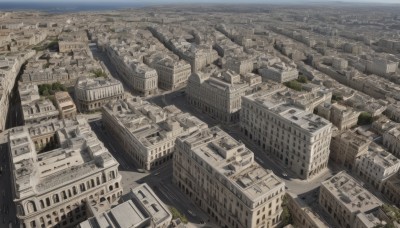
(343, 198)
(279, 72)
(375, 166)
(220, 175)
(50, 188)
(298, 139)
(221, 95)
(92, 93)
(172, 73)
(139, 208)
(147, 132)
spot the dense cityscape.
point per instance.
(201, 115)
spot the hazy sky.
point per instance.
(203, 1)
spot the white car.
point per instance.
(284, 174)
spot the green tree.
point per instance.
(294, 85)
(337, 97)
(364, 118)
(176, 214)
(302, 79)
(286, 215)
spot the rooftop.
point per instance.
(350, 193)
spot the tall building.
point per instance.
(220, 95)
(139, 208)
(220, 175)
(375, 166)
(50, 188)
(92, 93)
(65, 105)
(148, 132)
(279, 72)
(297, 138)
(346, 147)
(172, 73)
(344, 199)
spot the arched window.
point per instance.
(31, 207)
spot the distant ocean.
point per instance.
(59, 7)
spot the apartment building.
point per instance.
(346, 147)
(65, 105)
(220, 175)
(92, 93)
(220, 95)
(298, 139)
(147, 132)
(344, 199)
(375, 166)
(50, 188)
(139, 208)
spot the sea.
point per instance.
(60, 7)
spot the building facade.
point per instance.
(92, 93)
(297, 138)
(346, 147)
(146, 131)
(220, 175)
(171, 73)
(139, 208)
(279, 72)
(220, 95)
(65, 105)
(343, 198)
(50, 188)
(375, 166)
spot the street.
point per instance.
(160, 179)
(293, 184)
(7, 208)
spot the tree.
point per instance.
(294, 85)
(176, 214)
(286, 215)
(337, 97)
(99, 73)
(302, 79)
(364, 118)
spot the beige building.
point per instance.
(220, 95)
(346, 147)
(391, 188)
(34, 108)
(92, 93)
(279, 72)
(220, 175)
(50, 188)
(391, 140)
(72, 41)
(139, 208)
(343, 198)
(65, 105)
(297, 138)
(148, 132)
(302, 215)
(10, 64)
(343, 117)
(39, 110)
(240, 65)
(143, 79)
(28, 93)
(375, 166)
(172, 73)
